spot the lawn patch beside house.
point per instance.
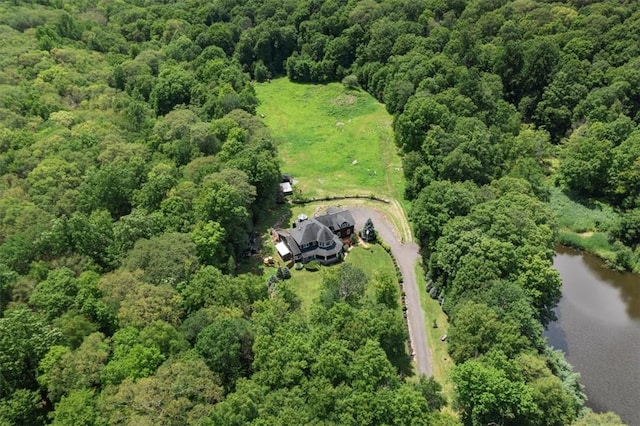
(372, 260)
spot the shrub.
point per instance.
(284, 273)
(627, 229)
(271, 283)
(299, 266)
(351, 82)
(261, 72)
(624, 256)
(312, 266)
(273, 279)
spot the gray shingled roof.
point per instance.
(325, 235)
(317, 230)
(285, 235)
(335, 218)
(307, 231)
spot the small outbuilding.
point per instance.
(283, 251)
(285, 188)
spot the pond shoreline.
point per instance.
(598, 328)
(620, 259)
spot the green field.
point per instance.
(332, 140)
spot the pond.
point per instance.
(598, 328)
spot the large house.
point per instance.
(318, 238)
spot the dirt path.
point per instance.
(407, 254)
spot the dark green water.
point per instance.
(598, 328)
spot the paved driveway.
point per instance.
(406, 255)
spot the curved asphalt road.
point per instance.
(406, 255)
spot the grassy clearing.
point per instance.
(321, 130)
(584, 227)
(576, 217)
(441, 362)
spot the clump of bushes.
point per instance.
(351, 82)
(283, 273)
(312, 266)
(271, 283)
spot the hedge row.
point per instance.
(302, 200)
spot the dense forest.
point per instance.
(133, 171)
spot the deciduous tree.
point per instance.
(225, 346)
(24, 340)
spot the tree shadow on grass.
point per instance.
(589, 202)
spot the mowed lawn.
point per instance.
(372, 260)
(333, 141)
